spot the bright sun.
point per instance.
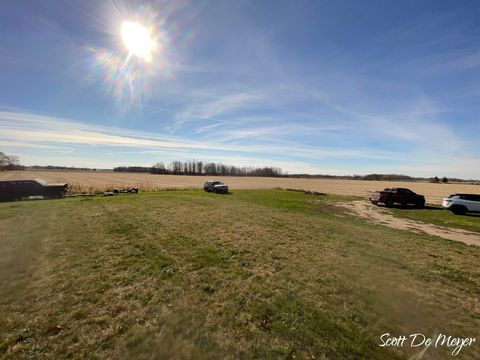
(137, 39)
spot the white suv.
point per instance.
(460, 204)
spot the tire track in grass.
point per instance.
(373, 214)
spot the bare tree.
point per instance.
(13, 160)
(4, 161)
(9, 162)
(158, 168)
(176, 167)
(200, 167)
(210, 169)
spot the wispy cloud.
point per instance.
(48, 131)
(21, 131)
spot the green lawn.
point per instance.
(255, 274)
(439, 216)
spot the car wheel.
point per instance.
(458, 209)
(54, 195)
(420, 204)
(389, 203)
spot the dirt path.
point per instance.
(375, 215)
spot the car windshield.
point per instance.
(41, 181)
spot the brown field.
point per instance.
(100, 181)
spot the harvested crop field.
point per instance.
(100, 181)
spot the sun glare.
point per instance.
(137, 39)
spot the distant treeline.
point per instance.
(10, 162)
(11, 167)
(202, 168)
(376, 177)
(136, 169)
(381, 177)
(219, 169)
(52, 167)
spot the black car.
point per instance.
(216, 187)
(19, 189)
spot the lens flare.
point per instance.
(137, 40)
(143, 51)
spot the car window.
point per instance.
(472, 197)
(41, 182)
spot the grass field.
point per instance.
(255, 274)
(101, 181)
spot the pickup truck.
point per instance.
(19, 189)
(391, 196)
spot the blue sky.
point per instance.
(338, 87)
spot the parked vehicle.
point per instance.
(391, 196)
(130, 190)
(216, 187)
(461, 204)
(19, 189)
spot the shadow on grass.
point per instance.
(428, 207)
(475, 215)
(411, 207)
